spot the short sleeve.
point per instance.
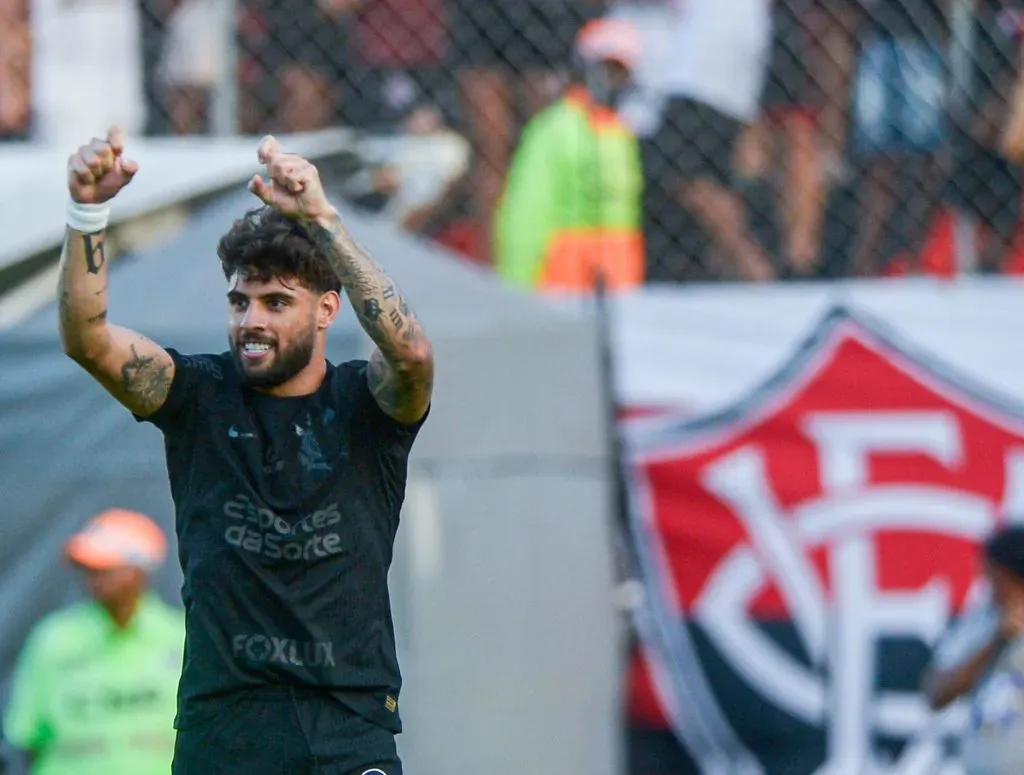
(26, 720)
(385, 427)
(191, 373)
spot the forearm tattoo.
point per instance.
(400, 378)
(82, 283)
(95, 252)
(381, 309)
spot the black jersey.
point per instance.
(286, 514)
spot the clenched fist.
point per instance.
(97, 171)
(294, 188)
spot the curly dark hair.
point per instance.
(264, 244)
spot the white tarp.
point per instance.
(172, 169)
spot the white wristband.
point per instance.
(87, 218)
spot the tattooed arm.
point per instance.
(136, 371)
(401, 370)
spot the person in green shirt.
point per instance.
(571, 207)
(95, 686)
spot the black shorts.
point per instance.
(276, 731)
(987, 186)
(695, 142)
(521, 35)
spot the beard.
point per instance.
(277, 366)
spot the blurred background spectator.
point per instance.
(87, 68)
(988, 144)
(95, 688)
(715, 84)
(838, 137)
(507, 56)
(15, 70)
(191, 64)
(409, 173)
(399, 52)
(784, 149)
(779, 138)
(571, 207)
(899, 126)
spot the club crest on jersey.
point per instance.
(803, 550)
(310, 456)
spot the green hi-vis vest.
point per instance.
(572, 202)
(91, 699)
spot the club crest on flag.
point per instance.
(804, 550)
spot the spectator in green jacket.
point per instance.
(95, 685)
(571, 205)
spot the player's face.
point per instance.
(273, 329)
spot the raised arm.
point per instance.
(401, 369)
(136, 371)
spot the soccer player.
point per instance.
(287, 472)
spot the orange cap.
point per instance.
(609, 39)
(118, 538)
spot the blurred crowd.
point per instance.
(645, 140)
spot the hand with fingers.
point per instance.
(97, 171)
(294, 188)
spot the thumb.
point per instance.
(260, 188)
(128, 168)
(115, 136)
(268, 149)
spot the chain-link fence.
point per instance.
(756, 139)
